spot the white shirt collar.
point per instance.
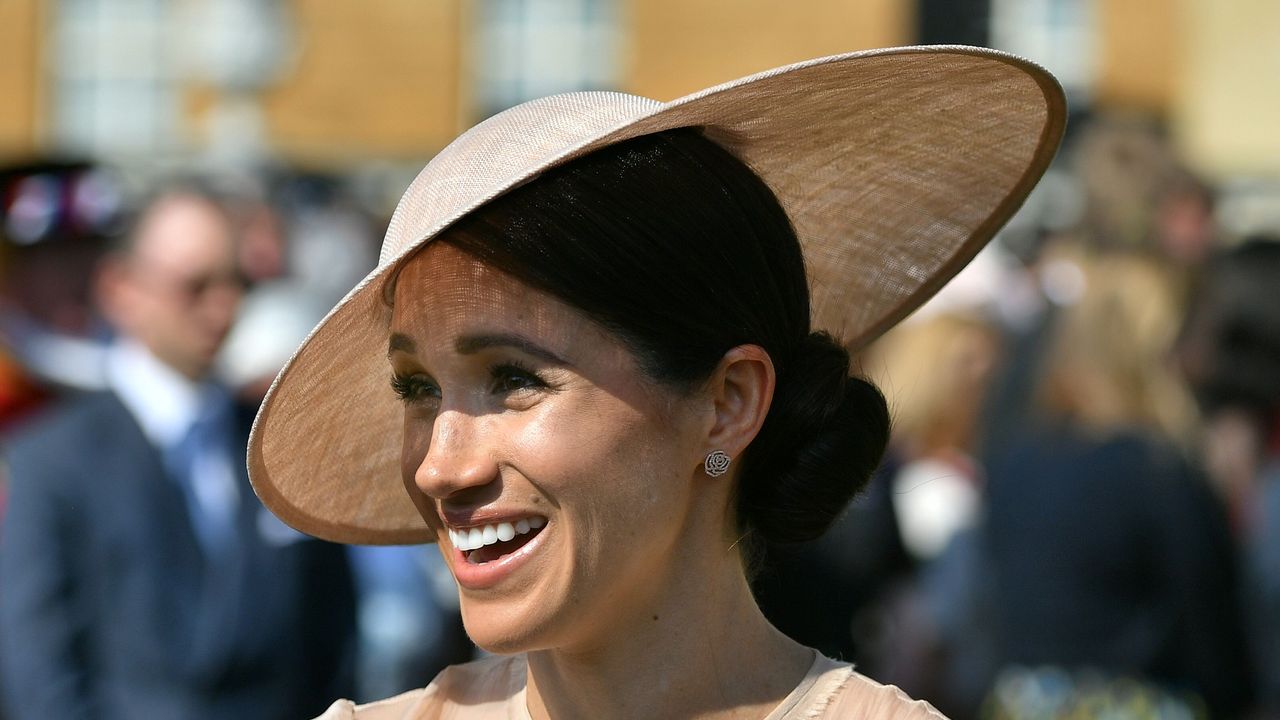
(163, 401)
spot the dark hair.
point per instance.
(1231, 342)
(678, 248)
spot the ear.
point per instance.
(742, 390)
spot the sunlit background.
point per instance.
(342, 85)
(370, 90)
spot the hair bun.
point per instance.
(823, 438)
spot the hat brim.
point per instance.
(896, 166)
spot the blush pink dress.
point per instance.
(494, 689)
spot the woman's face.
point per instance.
(558, 478)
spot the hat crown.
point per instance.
(511, 146)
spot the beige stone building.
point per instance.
(329, 83)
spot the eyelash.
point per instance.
(410, 388)
(508, 370)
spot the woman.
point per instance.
(1110, 567)
(606, 381)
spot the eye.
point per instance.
(415, 388)
(511, 377)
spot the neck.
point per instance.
(702, 649)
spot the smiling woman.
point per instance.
(617, 333)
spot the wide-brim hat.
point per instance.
(895, 166)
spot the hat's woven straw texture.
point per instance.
(895, 167)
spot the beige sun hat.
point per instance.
(894, 165)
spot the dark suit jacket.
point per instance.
(109, 610)
(1112, 553)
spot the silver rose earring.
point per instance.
(716, 464)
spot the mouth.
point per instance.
(483, 544)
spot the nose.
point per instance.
(457, 456)
(219, 302)
(213, 312)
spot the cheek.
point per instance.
(413, 450)
(605, 462)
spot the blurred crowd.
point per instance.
(143, 321)
(1079, 515)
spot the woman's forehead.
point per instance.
(444, 294)
(440, 276)
(449, 305)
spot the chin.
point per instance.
(503, 628)
(518, 601)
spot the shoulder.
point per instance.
(83, 415)
(69, 415)
(393, 708)
(836, 691)
(42, 444)
(484, 688)
(863, 697)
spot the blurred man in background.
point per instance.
(140, 576)
(56, 218)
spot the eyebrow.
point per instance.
(471, 344)
(401, 342)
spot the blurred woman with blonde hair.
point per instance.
(1106, 550)
(1109, 367)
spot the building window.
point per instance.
(526, 49)
(1058, 34)
(114, 89)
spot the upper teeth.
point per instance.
(477, 537)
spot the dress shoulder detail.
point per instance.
(862, 697)
(392, 708)
(491, 687)
(832, 689)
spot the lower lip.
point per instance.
(473, 576)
